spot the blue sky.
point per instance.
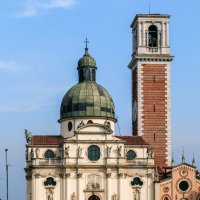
(41, 42)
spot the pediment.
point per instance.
(94, 128)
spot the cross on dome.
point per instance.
(86, 43)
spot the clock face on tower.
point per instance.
(135, 110)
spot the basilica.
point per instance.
(87, 160)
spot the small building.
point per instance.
(179, 182)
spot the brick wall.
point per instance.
(134, 97)
(154, 109)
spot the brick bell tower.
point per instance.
(150, 68)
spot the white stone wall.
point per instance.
(76, 122)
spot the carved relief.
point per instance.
(32, 153)
(81, 124)
(49, 194)
(94, 182)
(80, 151)
(108, 151)
(150, 152)
(26, 154)
(37, 152)
(73, 196)
(119, 150)
(114, 197)
(137, 194)
(67, 152)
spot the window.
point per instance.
(153, 36)
(131, 155)
(94, 197)
(90, 122)
(50, 182)
(166, 198)
(49, 154)
(137, 182)
(183, 186)
(93, 153)
(70, 126)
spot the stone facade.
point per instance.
(71, 174)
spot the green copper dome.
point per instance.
(87, 99)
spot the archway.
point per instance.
(94, 197)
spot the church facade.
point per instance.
(87, 160)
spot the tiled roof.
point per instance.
(133, 140)
(46, 139)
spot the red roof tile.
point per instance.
(133, 140)
(46, 139)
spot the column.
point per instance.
(120, 186)
(143, 35)
(163, 34)
(139, 34)
(67, 175)
(167, 34)
(33, 186)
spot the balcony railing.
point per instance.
(141, 161)
(46, 162)
(153, 49)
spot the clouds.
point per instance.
(35, 7)
(31, 97)
(10, 66)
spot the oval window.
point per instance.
(70, 126)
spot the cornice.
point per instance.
(150, 58)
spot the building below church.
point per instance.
(87, 160)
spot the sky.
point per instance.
(40, 44)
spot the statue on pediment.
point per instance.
(28, 136)
(81, 124)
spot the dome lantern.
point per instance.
(87, 66)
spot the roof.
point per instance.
(133, 140)
(87, 61)
(87, 99)
(146, 16)
(46, 139)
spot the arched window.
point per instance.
(81, 75)
(50, 182)
(93, 153)
(131, 155)
(94, 197)
(153, 36)
(93, 75)
(166, 198)
(49, 154)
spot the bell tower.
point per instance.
(150, 68)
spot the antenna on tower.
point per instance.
(118, 126)
(149, 8)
